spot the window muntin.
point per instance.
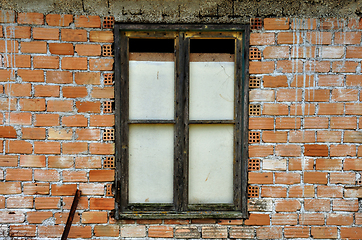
(192, 130)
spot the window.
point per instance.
(181, 121)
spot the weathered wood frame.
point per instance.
(182, 35)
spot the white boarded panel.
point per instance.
(151, 163)
(211, 90)
(211, 163)
(151, 90)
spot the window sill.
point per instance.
(181, 215)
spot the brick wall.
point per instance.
(57, 131)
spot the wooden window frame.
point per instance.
(179, 208)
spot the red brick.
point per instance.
(19, 61)
(88, 134)
(304, 24)
(352, 164)
(332, 52)
(317, 95)
(7, 132)
(354, 80)
(330, 191)
(101, 36)
(101, 121)
(21, 118)
(22, 231)
(101, 175)
(74, 121)
(257, 219)
(261, 123)
(260, 178)
(63, 189)
(8, 161)
(10, 188)
(331, 80)
(262, 39)
(287, 205)
(275, 81)
(59, 105)
(46, 62)
(329, 136)
(306, 191)
(289, 38)
(74, 63)
(11, 46)
(324, 232)
(31, 18)
(316, 122)
(92, 107)
(276, 52)
(345, 205)
(301, 164)
(32, 161)
(342, 150)
(167, 232)
(287, 178)
(353, 137)
(101, 148)
(328, 164)
(301, 136)
(59, 77)
(47, 147)
(269, 232)
(59, 20)
(31, 75)
(47, 203)
(343, 178)
(315, 177)
(46, 175)
(276, 23)
(7, 75)
(343, 122)
(74, 148)
(344, 94)
(46, 33)
(101, 203)
(101, 64)
(311, 219)
(347, 38)
(80, 232)
(106, 230)
(303, 81)
(74, 92)
(18, 146)
(316, 150)
(87, 78)
(88, 162)
(330, 109)
(60, 162)
(302, 109)
(257, 95)
(296, 232)
(88, 49)
(284, 219)
(344, 67)
(289, 95)
(94, 217)
(60, 134)
(75, 176)
(261, 67)
(19, 202)
(331, 23)
(46, 91)
(317, 205)
(275, 109)
(36, 188)
(46, 120)
(16, 174)
(17, 32)
(351, 232)
(317, 66)
(272, 136)
(260, 151)
(62, 217)
(354, 52)
(82, 204)
(87, 21)
(273, 192)
(303, 52)
(38, 217)
(18, 89)
(72, 35)
(50, 231)
(290, 66)
(61, 48)
(288, 150)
